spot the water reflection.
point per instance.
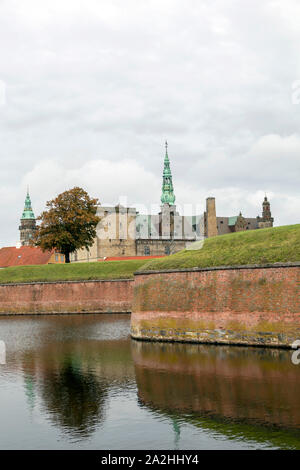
(218, 386)
(70, 366)
(71, 380)
(74, 397)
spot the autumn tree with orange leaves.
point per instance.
(69, 223)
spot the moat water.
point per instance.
(80, 382)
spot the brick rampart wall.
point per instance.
(251, 305)
(67, 297)
(233, 305)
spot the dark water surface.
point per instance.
(79, 382)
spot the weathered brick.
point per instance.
(251, 305)
(66, 297)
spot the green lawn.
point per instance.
(271, 245)
(71, 272)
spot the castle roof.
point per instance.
(122, 258)
(232, 220)
(23, 256)
(27, 212)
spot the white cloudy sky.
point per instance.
(94, 87)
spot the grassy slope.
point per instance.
(279, 244)
(70, 272)
(271, 245)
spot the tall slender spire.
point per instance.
(28, 212)
(167, 196)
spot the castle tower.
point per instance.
(266, 220)
(167, 196)
(28, 223)
(168, 209)
(210, 218)
(266, 213)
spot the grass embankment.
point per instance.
(71, 272)
(271, 245)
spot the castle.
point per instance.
(124, 232)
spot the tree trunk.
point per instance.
(67, 257)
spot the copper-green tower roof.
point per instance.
(167, 196)
(28, 212)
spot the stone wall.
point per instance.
(250, 305)
(253, 305)
(67, 297)
(159, 247)
(115, 235)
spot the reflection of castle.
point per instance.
(123, 232)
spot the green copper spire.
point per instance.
(28, 212)
(167, 196)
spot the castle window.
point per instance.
(167, 250)
(146, 250)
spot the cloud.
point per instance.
(93, 88)
(104, 179)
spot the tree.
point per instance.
(69, 223)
